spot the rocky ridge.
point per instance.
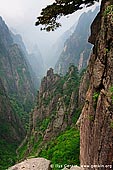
(14, 69)
(58, 46)
(33, 58)
(76, 49)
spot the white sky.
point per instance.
(21, 16)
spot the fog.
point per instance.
(20, 16)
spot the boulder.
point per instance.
(32, 164)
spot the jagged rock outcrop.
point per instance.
(33, 164)
(55, 111)
(14, 70)
(76, 48)
(96, 120)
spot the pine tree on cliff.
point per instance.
(59, 8)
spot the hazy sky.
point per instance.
(21, 16)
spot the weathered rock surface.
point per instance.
(96, 120)
(32, 164)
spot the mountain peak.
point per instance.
(49, 80)
(50, 72)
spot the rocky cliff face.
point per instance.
(14, 70)
(96, 120)
(77, 49)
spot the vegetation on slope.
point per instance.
(11, 131)
(63, 150)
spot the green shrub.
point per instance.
(108, 10)
(111, 124)
(76, 115)
(95, 96)
(7, 154)
(111, 90)
(46, 100)
(90, 117)
(44, 124)
(95, 99)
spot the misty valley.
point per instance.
(56, 103)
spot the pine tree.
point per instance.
(50, 15)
